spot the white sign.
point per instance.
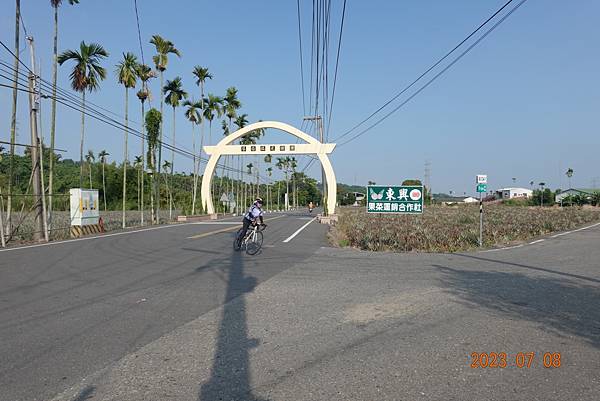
(84, 207)
(481, 179)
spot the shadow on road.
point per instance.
(558, 305)
(230, 373)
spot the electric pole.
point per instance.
(35, 158)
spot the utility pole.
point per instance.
(35, 160)
(323, 181)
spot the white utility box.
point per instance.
(84, 207)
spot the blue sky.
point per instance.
(523, 104)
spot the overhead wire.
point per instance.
(435, 77)
(438, 62)
(337, 60)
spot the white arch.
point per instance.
(313, 146)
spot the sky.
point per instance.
(523, 104)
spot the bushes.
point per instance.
(443, 229)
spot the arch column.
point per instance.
(331, 183)
(205, 189)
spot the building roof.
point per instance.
(518, 189)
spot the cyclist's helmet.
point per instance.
(258, 201)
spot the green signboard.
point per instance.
(481, 187)
(406, 199)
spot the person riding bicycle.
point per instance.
(311, 206)
(253, 214)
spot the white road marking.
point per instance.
(502, 249)
(291, 237)
(217, 222)
(97, 237)
(537, 242)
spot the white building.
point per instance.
(510, 193)
(470, 199)
(583, 192)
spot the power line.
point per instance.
(437, 75)
(301, 62)
(337, 60)
(426, 71)
(137, 18)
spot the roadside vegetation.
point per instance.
(454, 228)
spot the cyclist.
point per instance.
(311, 206)
(253, 214)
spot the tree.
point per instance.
(102, 156)
(55, 4)
(144, 73)
(231, 104)
(269, 171)
(85, 76)
(201, 74)
(212, 109)
(194, 116)
(90, 158)
(127, 74)
(161, 59)
(569, 174)
(153, 122)
(174, 94)
(285, 164)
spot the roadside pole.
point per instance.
(35, 161)
(323, 180)
(481, 180)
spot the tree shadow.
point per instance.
(560, 306)
(230, 373)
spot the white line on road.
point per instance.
(217, 223)
(537, 241)
(291, 237)
(502, 249)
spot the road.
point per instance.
(175, 314)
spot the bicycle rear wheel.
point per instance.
(254, 244)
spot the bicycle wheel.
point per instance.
(254, 244)
(237, 245)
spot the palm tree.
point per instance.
(85, 76)
(161, 59)
(152, 124)
(293, 165)
(201, 74)
(269, 174)
(285, 164)
(569, 174)
(55, 4)
(127, 75)
(174, 94)
(212, 109)
(102, 156)
(89, 158)
(194, 117)
(144, 73)
(230, 107)
(167, 169)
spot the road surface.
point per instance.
(175, 314)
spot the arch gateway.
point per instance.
(312, 146)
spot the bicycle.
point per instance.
(252, 241)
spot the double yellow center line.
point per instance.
(226, 229)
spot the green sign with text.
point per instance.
(405, 199)
(481, 187)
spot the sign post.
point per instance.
(481, 181)
(403, 199)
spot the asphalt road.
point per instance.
(175, 314)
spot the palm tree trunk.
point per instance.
(195, 171)
(103, 184)
(157, 181)
(278, 194)
(143, 165)
(287, 191)
(90, 171)
(125, 154)
(13, 121)
(53, 121)
(201, 135)
(172, 169)
(81, 139)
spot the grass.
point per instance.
(452, 229)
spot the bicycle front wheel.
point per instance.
(254, 244)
